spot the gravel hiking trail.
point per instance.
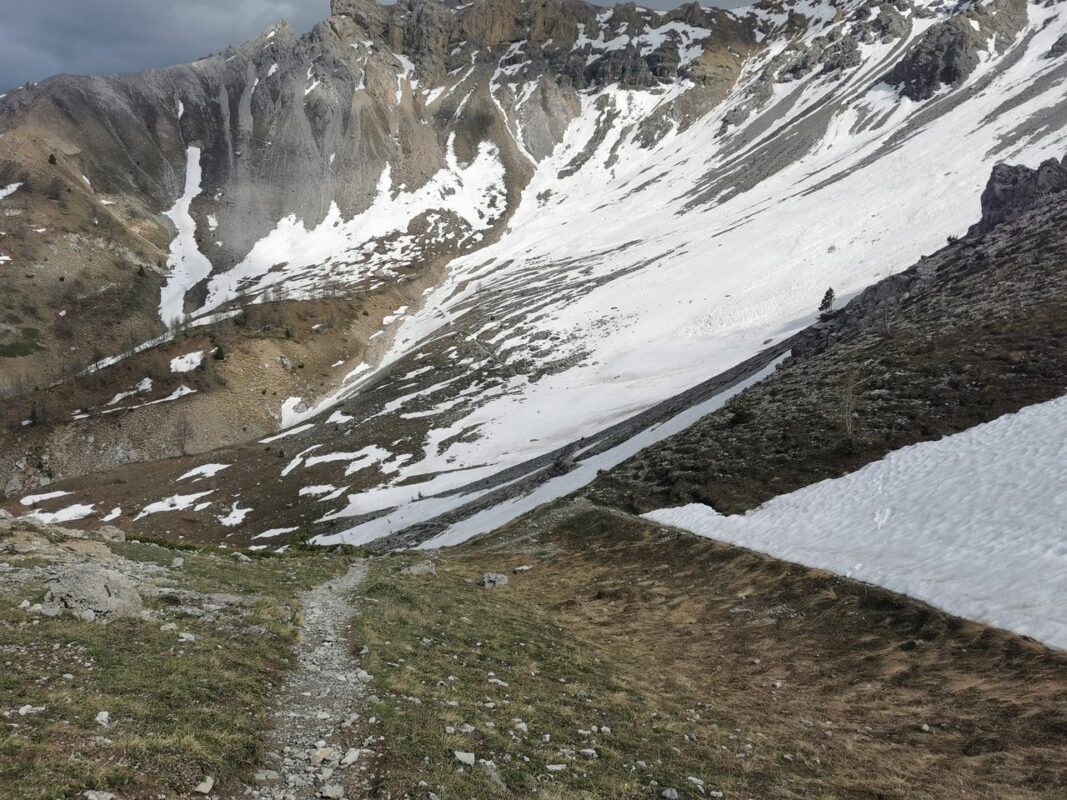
(316, 747)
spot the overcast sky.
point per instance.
(39, 38)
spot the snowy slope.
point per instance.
(644, 288)
(973, 523)
(608, 245)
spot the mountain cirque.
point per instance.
(362, 281)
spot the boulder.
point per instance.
(92, 592)
(494, 580)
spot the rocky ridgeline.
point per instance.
(558, 37)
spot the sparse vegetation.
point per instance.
(826, 306)
(178, 710)
(649, 657)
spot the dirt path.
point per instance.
(315, 749)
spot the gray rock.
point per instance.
(948, 52)
(1059, 48)
(109, 533)
(80, 588)
(669, 794)
(464, 757)
(1012, 190)
(332, 792)
(493, 580)
(205, 786)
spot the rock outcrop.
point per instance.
(949, 52)
(1015, 189)
(92, 592)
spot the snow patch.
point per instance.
(972, 523)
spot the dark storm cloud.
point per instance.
(39, 38)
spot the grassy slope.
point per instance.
(760, 678)
(179, 710)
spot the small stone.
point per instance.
(205, 786)
(103, 719)
(464, 758)
(94, 794)
(267, 776)
(350, 757)
(669, 794)
(323, 754)
(177, 563)
(555, 767)
(494, 580)
(332, 792)
(28, 710)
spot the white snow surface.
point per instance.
(411, 510)
(235, 516)
(178, 502)
(68, 514)
(187, 264)
(187, 362)
(36, 499)
(204, 471)
(975, 523)
(10, 189)
(474, 192)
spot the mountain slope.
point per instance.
(677, 198)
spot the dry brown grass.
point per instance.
(693, 626)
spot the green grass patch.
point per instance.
(179, 710)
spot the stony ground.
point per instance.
(314, 748)
(132, 670)
(607, 657)
(627, 660)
